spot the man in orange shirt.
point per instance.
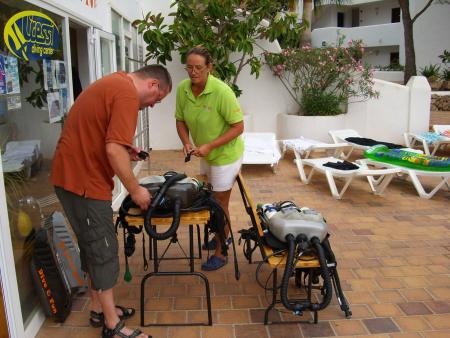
(96, 144)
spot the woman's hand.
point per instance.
(188, 148)
(202, 151)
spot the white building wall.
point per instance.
(431, 32)
(379, 56)
(376, 13)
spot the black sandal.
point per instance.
(110, 333)
(97, 319)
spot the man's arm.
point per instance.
(119, 159)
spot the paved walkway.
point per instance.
(393, 255)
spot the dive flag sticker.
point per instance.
(31, 35)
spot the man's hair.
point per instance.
(202, 51)
(155, 72)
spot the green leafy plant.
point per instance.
(391, 67)
(229, 29)
(323, 80)
(445, 75)
(431, 72)
(445, 56)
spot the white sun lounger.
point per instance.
(377, 185)
(414, 174)
(261, 148)
(414, 139)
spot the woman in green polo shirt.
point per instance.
(207, 109)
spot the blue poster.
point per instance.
(2, 75)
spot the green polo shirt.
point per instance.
(209, 116)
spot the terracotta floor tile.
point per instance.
(216, 331)
(380, 325)
(439, 322)
(389, 296)
(386, 310)
(414, 308)
(250, 331)
(415, 295)
(184, 332)
(436, 334)
(188, 303)
(284, 331)
(412, 324)
(321, 329)
(348, 327)
(439, 306)
(233, 316)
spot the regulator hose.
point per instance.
(156, 201)
(327, 286)
(296, 307)
(173, 227)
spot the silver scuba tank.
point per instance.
(296, 221)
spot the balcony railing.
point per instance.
(390, 34)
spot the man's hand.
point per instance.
(142, 197)
(202, 151)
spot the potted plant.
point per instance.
(228, 29)
(322, 81)
(445, 75)
(431, 72)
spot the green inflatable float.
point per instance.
(407, 159)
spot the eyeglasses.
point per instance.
(197, 68)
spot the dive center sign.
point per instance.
(31, 35)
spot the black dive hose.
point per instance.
(328, 289)
(299, 307)
(156, 201)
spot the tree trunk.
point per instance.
(410, 54)
(307, 15)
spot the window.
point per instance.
(340, 19)
(394, 58)
(116, 27)
(395, 15)
(128, 43)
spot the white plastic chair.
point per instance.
(261, 148)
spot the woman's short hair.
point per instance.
(202, 51)
(155, 72)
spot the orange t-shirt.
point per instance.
(106, 111)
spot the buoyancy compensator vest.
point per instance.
(173, 193)
(300, 231)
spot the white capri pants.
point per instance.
(221, 177)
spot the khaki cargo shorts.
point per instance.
(92, 222)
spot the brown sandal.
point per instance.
(97, 319)
(110, 333)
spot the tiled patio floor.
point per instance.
(393, 255)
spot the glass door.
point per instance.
(105, 53)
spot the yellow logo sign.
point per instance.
(31, 35)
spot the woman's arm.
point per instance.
(235, 130)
